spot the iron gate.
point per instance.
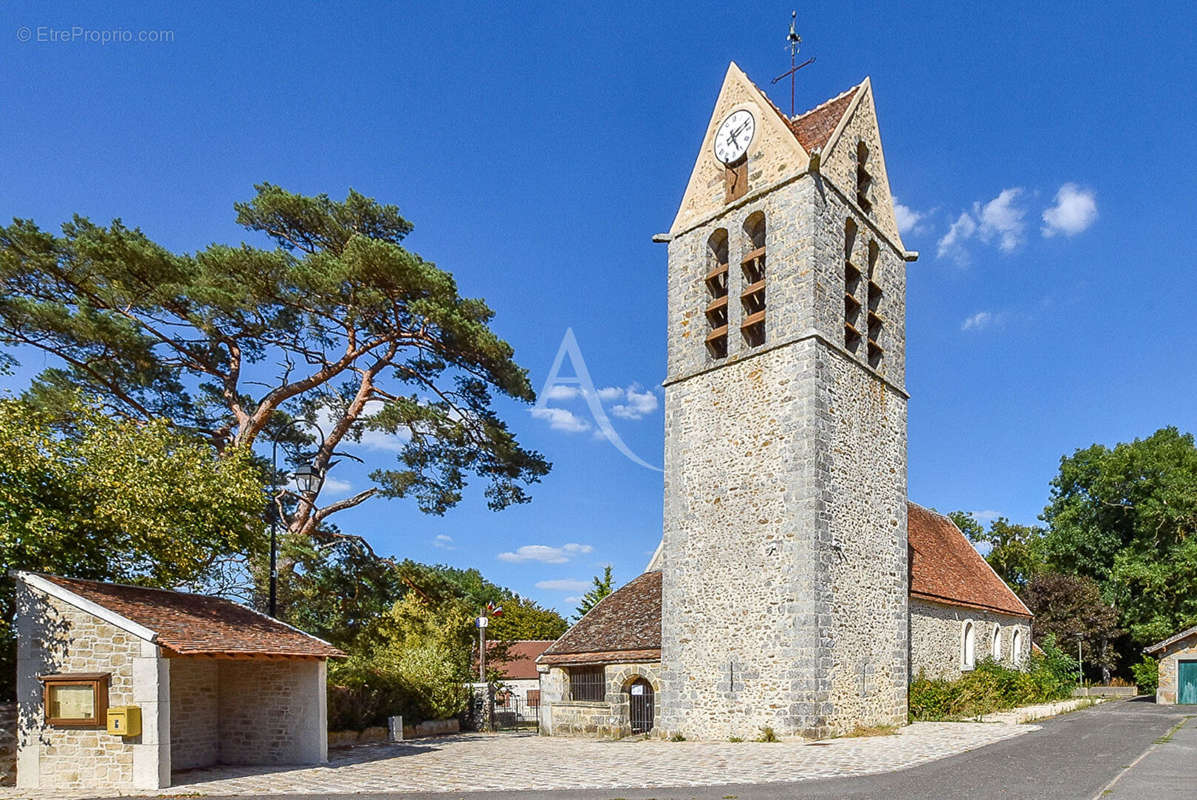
(641, 693)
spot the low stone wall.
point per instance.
(1041, 711)
(573, 718)
(1106, 691)
(8, 744)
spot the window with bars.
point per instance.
(864, 179)
(587, 684)
(852, 304)
(875, 320)
(752, 294)
(716, 282)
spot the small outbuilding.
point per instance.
(1177, 658)
(119, 685)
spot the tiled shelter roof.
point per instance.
(813, 128)
(193, 624)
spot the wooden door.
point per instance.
(1186, 682)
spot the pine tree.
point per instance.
(602, 588)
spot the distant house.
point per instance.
(1178, 668)
(519, 693)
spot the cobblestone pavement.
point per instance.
(525, 761)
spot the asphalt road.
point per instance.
(1077, 755)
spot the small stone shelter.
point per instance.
(191, 680)
(1177, 658)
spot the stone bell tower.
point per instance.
(784, 571)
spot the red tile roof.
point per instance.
(625, 625)
(813, 128)
(193, 624)
(946, 568)
(520, 663)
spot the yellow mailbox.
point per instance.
(124, 720)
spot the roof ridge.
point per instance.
(826, 102)
(51, 576)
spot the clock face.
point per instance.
(734, 136)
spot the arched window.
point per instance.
(1016, 646)
(851, 289)
(875, 295)
(968, 650)
(864, 178)
(997, 643)
(752, 295)
(716, 281)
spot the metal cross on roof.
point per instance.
(793, 40)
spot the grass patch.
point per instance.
(1167, 737)
(735, 739)
(677, 737)
(870, 730)
(767, 735)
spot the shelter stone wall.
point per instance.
(56, 637)
(937, 638)
(195, 717)
(610, 717)
(8, 744)
(1169, 668)
(273, 712)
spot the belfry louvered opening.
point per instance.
(716, 283)
(875, 296)
(852, 304)
(752, 294)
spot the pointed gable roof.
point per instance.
(814, 128)
(624, 626)
(946, 568)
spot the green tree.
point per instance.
(335, 332)
(85, 495)
(1015, 551)
(602, 588)
(1127, 517)
(1070, 607)
(526, 619)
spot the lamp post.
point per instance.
(488, 708)
(307, 481)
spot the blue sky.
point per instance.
(537, 148)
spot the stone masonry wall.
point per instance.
(937, 638)
(1169, 668)
(610, 717)
(54, 637)
(784, 580)
(194, 721)
(8, 744)
(273, 712)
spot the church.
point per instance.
(796, 587)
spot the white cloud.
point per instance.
(1002, 219)
(639, 404)
(443, 542)
(1074, 211)
(573, 598)
(952, 243)
(560, 391)
(988, 515)
(564, 585)
(982, 320)
(908, 218)
(545, 554)
(610, 393)
(561, 419)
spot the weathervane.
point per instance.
(792, 41)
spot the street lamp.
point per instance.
(307, 479)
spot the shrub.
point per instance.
(992, 687)
(1147, 675)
